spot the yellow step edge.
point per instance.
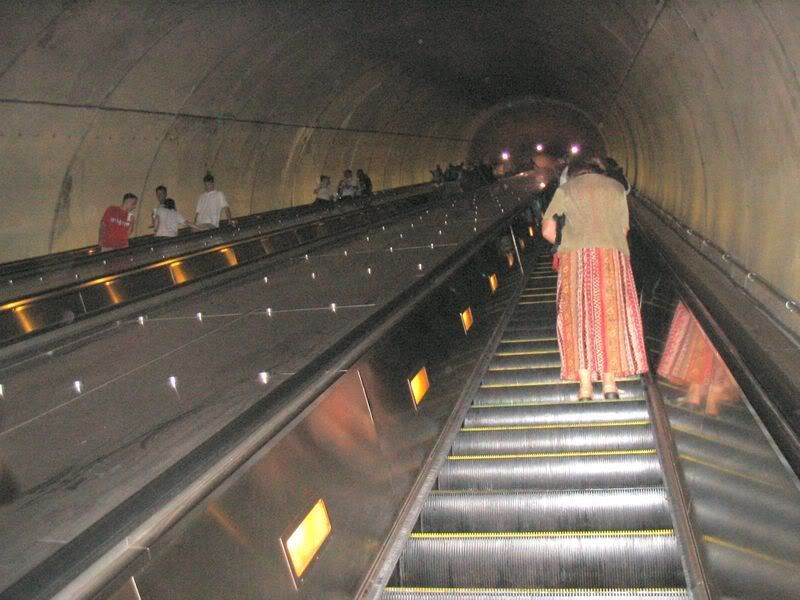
(576, 454)
(754, 553)
(576, 402)
(526, 353)
(524, 303)
(538, 368)
(558, 382)
(678, 592)
(510, 535)
(636, 423)
(529, 340)
(538, 295)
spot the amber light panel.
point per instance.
(419, 385)
(493, 283)
(178, 274)
(510, 258)
(466, 319)
(531, 230)
(230, 257)
(304, 543)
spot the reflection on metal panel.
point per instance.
(746, 501)
(359, 448)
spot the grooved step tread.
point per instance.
(618, 593)
(576, 425)
(540, 534)
(535, 455)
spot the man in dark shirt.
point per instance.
(364, 183)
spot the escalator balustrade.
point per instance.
(541, 495)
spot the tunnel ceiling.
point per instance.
(102, 97)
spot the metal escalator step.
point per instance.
(565, 510)
(545, 332)
(551, 471)
(519, 360)
(529, 345)
(543, 559)
(556, 414)
(549, 392)
(554, 438)
(420, 593)
(508, 377)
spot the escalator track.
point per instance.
(542, 496)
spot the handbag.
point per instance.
(560, 220)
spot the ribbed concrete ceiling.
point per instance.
(698, 100)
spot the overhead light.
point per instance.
(493, 282)
(510, 258)
(505, 155)
(419, 385)
(531, 231)
(305, 541)
(575, 148)
(539, 147)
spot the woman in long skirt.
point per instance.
(599, 324)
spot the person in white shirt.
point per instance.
(168, 220)
(323, 195)
(348, 187)
(209, 205)
(161, 195)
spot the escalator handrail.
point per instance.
(98, 555)
(78, 256)
(686, 532)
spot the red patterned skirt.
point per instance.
(599, 324)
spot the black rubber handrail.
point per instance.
(38, 265)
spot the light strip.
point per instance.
(305, 541)
(466, 319)
(419, 385)
(493, 282)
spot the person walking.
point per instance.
(117, 224)
(598, 322)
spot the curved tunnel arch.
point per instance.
(698, 101)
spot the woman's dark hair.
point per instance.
(208, 177)
(169, 204)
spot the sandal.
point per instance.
(611, 394)
(585, 396)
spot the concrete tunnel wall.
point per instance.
(697, 99)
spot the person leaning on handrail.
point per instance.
(117, 224)
(598, 321)
(209, 205)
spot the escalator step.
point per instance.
(543, 559)
(554, 438)
(514, 359)
(567, 510)
(532, 594)
(568, 470)
(520, 334)
(549, 392)
(529, 346)
(556, 414)
(522, 376)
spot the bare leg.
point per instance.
(609, 384)
(585, 391)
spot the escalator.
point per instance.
(541, 495)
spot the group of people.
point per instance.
(118, 221)
(598, 321)
(350, 187)
(467, 175)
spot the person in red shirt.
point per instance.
(117, 223)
